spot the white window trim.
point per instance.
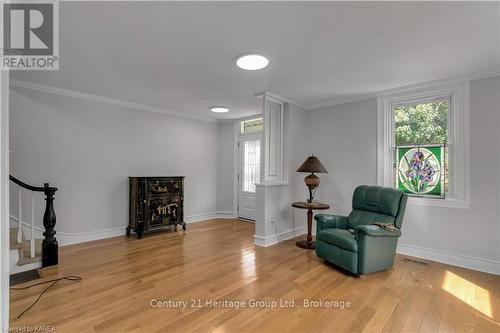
(458, 139)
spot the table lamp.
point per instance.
(312, 165)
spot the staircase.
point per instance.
(28, 253)
(21, 258)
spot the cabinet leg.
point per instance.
(139, 235)
(128, 230)
(183, 225)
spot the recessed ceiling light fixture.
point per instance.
(219, 109)
(252, 62)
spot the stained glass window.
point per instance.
(252, 165)
(420, 170)
(421, 152)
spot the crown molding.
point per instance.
(361, 97)
(277, 97)
(105, 100)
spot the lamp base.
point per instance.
(312, 183)
(305, 245)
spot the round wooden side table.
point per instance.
(308, 243)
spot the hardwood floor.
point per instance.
(216, 260)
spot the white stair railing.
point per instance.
(20, 221)
(20, 217)
(32, 225)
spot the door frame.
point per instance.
(236, 160)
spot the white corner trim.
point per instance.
(236, 166)
(282, 236)
(105, 100)
(4, 200)
(361, 97)
(454, 259)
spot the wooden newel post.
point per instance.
(50, 252)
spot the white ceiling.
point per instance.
(180, 56)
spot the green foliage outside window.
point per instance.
(252, 126)
(425, 123)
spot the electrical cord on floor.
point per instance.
(54, 281)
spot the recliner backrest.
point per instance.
(377, 204)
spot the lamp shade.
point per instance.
(313, 165)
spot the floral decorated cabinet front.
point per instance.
(156, 203)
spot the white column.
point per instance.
(273, 140)
(272, 194)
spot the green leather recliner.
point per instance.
(366, 248)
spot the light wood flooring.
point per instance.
(217, 260)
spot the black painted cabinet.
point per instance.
(155, 203)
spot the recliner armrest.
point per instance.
(325, 221)
(376, 231)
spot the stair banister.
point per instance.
(49, 243)
(32, 226)
(20, 217)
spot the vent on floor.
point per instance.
(416, 261)
(26, 276)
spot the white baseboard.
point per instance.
(226, 215)
(282, 236)
(208, 216)
(200, 217)
(69, 238)
(477, 264)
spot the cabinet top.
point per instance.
(156, 177)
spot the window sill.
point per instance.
(445, 203)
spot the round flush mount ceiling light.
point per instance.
(219, 109)
(252, 62)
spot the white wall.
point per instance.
(88, 149)
(344, 138)
(225, 169)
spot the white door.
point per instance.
(249, 173)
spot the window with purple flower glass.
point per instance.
(421, 135)
(420, 170)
